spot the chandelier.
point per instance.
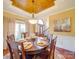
(33, 20)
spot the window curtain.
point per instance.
(8, 28)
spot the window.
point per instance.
(19, 28)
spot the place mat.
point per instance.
(27, 45)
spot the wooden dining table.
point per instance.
(35, 48)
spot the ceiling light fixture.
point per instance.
(34, 20)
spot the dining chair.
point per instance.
(11, 54)
(46, 54)
(53, 47)
(36, 33)
(23, 52)
(13, 48)
(11, 36)
(49, 37)
(25, 34)
(41, 35)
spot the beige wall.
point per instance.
(31, 28)
(5, 31)
(69, 13)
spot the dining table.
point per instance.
(34, 45)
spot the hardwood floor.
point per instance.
(5, 51)
(66, 53)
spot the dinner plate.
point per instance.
(41, 43)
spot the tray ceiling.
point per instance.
(29, 6)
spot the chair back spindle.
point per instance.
(25, 34)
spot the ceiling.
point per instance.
(60, 5)
(33, 6)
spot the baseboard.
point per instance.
(62, 49)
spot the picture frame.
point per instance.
(62, 25)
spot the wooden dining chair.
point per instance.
(36, 33)
(13, 48)
(25, 34)
(9, 48)
(46, 54)
(11, 37)
(23, 52)
(52, 48)
(41, 35)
